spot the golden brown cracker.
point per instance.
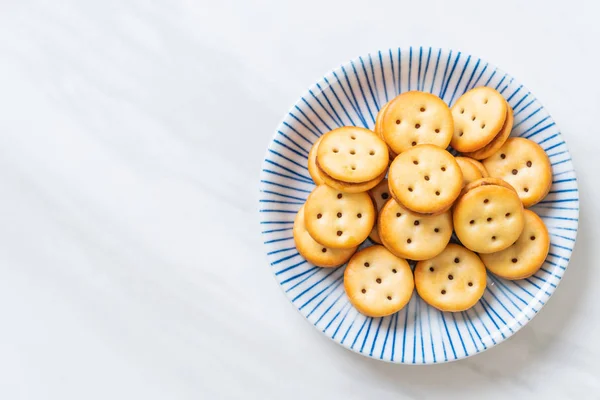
(452, 281)
(411, 235)
(351, 154)
(338, 220)
(425, 179)
(488, 217)
(479, 115)
(414, 118)
(377, 282)
(314, 252)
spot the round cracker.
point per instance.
(488, 216)
(496, 143)
(377, 282)
(479, 115)
(380, 194)
(425, 179)
(411, 235)
(414, 118)
(313, 170)
(452, 281)
(525, 257)
(470, 172)
(352, 154)
(314, 252)
(525, 165)
(338, 220)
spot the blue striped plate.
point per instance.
(419, 334)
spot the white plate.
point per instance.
(418, 334)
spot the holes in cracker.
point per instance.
(486, 201)
(443, 169)
(385, 196)
(372, 152)
(339, 233)
(414, 143)
(482, 125)
(473, 118)
(514, 260)
(398, 122)
(417, 126)
(353, 167)
(319, 216)
(410, 189)
(324, 250)
(503, 156)
(352, 152)
(378, 280)
(529, 164)
(461, 133)
(339, 215)
(437, 131)
(408, 241)
(489, 219)
(526, 190)
(514, 172)
(437, 192)
(443, 291)
(431, 269)
(422, 109)
(389, 297)
(450, 277)
(456, 260)
(415, 162)
(339, 196)
(398, 215)
(472, 221)
(485, 101)
(359, 215)
(416, 223)
(426, 177)
(462, 110)
(366, 264)
(353, 137)
(507, 215)
(394, 270)
(436, 230)
(470, 283)
(532, 238)
(364, 291)
(493, 237)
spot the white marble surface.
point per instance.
(131, 139)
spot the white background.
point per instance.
(131, 140)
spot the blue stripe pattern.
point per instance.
(419, 334)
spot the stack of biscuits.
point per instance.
(401, 188)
